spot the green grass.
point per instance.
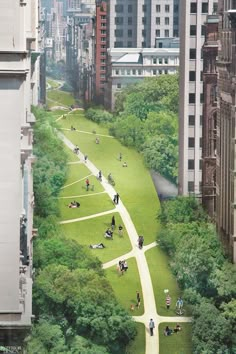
(177, 343)
(92, 232)
(129, 282)
(134, 183)
(162, 278)
(60, 97)
(138, 345)
(89, 205)
(72, 157)
(54, 84)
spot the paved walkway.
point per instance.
(152, 343)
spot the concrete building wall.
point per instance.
(193, 17)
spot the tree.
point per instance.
(211, 331)
(161, 123)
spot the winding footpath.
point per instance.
(150, 311)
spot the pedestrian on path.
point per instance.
(168, 301)
(87, 184)
(117, 199)
(151, 326)
(85, 158)
(138, 299)
(113, 222)
(120, 156)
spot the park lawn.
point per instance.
(54, 84)
(134, 183)
(72, 157)
(162, 278)
(139, 344)
(92, 231)
(129, 282)
(79, 188)
(61, 97)
(97, 203)
(177, 343)
(75, 173)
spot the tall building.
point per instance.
(210, 51)
(192, 35)
(18, 90)
(101, 49)
(226, 123)
(137, 23)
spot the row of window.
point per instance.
(139, 72)
(120, 8)
(205, 8)
(192, 98)
(191, 186)
(191, 142)
(191, 164)
(120, 21)
(120, 33)
(191, 120)
(193, 30)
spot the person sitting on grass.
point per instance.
(177, 328)
(99, 245)
(74, 204)
(108, 233)
(124, 164)
(168, 331)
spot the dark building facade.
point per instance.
(226, 135)
(210, 50)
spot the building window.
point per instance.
(166, 60)
(119, 8)
(215, 7)
(144, 44)
(129, 20)
(103, 24)
(103, 46)
(201, 98)
(190, 186)
(160, 72)
(176, 33)
(119, 20)
(130, 8)
(167, 33)
(203, 30)
(201, 76)
(103, 54)
(144, 8)
(160, 45)
(119, 44)
(118, 86)
(158, 20)
(167, 8)
(103, 39)
(130, 33)
(103, 31)
(139, 72)
(158, 8)
(191, 120)
(191, 164)
(176, 8)
(158, 33)
(154, 72)
(144, 20)
(205, 7)
(200, 120)
(102, 68)
(192, 53)
(193, 30)
(154, 60)
(193, 7)
(166, 72)
(134, 72)
(191, 142)
(144, 33)
(200, 164)
(191, 98)
(128, 72)
(103, 61)
(119, 33)
(160, 60)
(117, 72)
(192, 75)
(176, 21)
(103, 17)
(129, 44)
(167, 21)
(200, 142)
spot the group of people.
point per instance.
(168, 331)
(76, 149)
(179, 304)
(122, 266)
(74, 204)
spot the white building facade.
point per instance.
(19, 86)
(192, 36)
(130, 65)
(136, 23)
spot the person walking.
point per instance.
(117, 198)
(120, 156)
(138, 299)
(87, 184)
(100, 175)
(85, 158)
(120, 230)
(151, 326)
(113, 222)
(168, 301)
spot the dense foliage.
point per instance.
(146, 118)
(207, 278)
(76, 310)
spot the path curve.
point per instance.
(152, 343)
